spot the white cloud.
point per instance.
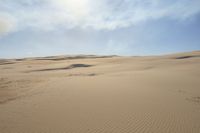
(96, 14)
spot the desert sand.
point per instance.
(101, 94)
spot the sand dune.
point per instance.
(101, 94)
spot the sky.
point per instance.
(32, 28)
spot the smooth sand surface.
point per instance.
(92, 94)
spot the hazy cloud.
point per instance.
(98, 14)
(7, 24)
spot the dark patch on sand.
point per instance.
(6, 63)
(186, 57)
(9, 99)
(21, 59)
(52, 58)
(90, 75)
(64, 68)
(194, 99)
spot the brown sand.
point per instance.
(90, 94)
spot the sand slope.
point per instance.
(92, 94)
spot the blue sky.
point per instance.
(122, 27)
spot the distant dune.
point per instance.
(101, 94)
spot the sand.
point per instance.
(101, 94)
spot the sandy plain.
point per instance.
(101, 94)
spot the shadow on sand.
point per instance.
(186, 57)
(64, 68)
(54, 58)
(6, 63)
